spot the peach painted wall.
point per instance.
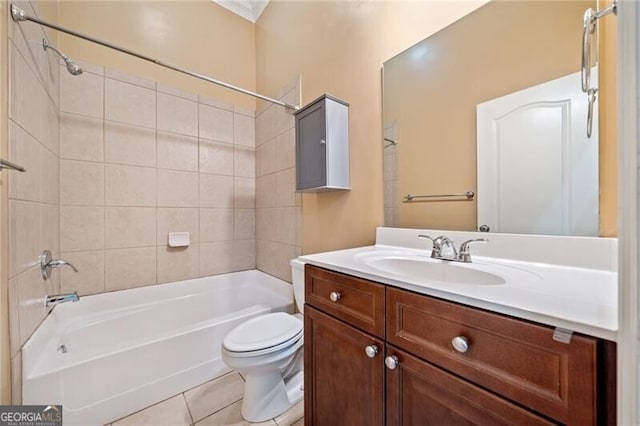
(339, 48)
(197, 35)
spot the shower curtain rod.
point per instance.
(20, 15)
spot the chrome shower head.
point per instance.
(72, 67)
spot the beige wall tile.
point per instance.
(81, 138)
(128, 144)
(266, 191)
(244, 224)
(31, 290)
(244, 196)
(216, 124)
(14, 322)
(177, 189)
(286, 150)
(177, 220)
(284, 120)
(128, 103)
(286, 188)
(244, 255)
(129, 268)
(273, 258)
(244, 162)
(175, 264)
(216, 258)
(216, 225)
(25, 151)
(177, 152)
(215, 103)
(266, 158)
(177, 115)
(49, 177)
(214, 395)
(50, 227)
(163, 88)
(129, 186)
(81, 183)
(286, 225)
(216, 157)
(81, 228)
(24, 236)
(172, 412)
(90, 276)
(130, 227)
(244, 130)
(266, 224)
(129, 78)
(216, 191)
(244, 111)
(265, 125)
(299, 227)
(16, 379)
(83, 94)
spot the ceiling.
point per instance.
(248, 9)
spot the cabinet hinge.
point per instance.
(562, 335)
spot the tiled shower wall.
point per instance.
(139, 160)
(33, 195)
(278, 206)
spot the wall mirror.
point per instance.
(490, 111)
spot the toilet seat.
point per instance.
(262, 335)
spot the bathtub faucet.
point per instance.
(61, 298)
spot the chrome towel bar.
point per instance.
(4, 164)
(468, 195)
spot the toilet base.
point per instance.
(267, 396)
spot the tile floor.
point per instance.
(215, 403)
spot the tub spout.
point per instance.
(61, 298)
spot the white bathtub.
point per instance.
(128, 349)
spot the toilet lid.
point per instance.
(262, 332)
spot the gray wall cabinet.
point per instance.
(322, 145)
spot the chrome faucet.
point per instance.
(47, 264)
(443, 242)
(61, 298)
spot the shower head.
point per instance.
(72, 67)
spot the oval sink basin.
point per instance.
(433, 270)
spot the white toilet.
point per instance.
(267, 350)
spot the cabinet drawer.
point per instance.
(419, 393)
(358, 302)
(514, 358)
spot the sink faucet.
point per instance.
(61, 298)
(443, 242)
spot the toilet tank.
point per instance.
(297, 277)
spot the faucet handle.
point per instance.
(465, 254)
(47, 264)
(435, 245)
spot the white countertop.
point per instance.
(579, 299)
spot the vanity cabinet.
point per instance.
(445, 363)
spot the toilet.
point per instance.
(267, 351)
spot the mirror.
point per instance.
(434, 95)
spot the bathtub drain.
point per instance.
(62, 349)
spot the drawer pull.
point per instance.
(335, 296)
(371, 351)
(392, 362)
(460, 344)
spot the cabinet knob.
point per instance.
(460, 344)
(322, 142)
(371, 351)
(335, 296)
(392, 362)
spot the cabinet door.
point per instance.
(419, 393)
(343, 385)
(311, 147)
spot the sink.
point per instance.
(419, 267)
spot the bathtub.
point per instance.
(112, 354)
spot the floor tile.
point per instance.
(214, 395)
(291, 416)
(230, 416)
(172, 412)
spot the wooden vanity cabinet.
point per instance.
(507, 371)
